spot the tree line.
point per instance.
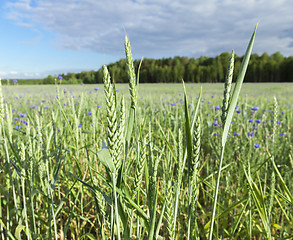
(263, 68)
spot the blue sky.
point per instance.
(41, 37)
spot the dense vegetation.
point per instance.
(264, 68)
(164, 163)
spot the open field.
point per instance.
(54, 181)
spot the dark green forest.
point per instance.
(264, 68)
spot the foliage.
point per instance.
(80, 163)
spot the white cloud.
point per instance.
(161, 28)
(20, 75)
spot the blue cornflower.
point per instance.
(96, 89)
(282, 134)
(254, 108)
(256, 145)
(250, 134)
(236, 134)
(254, 127)
(215, 124)
(250, 120)
(22, 115)
(217, 107)
(89, 113)
(98, 106)
(15, 81)
(60, 77)
(279, 122)
(238, 111)
(258, 121)
(79, 125)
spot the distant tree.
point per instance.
(264, 68)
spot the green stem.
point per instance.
(216, 193)
(116, 206)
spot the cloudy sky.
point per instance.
(41, 37)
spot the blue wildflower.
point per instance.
(238, 111)
(256, 145)
(215, 124)
(250, 120)
(236, 134)
(254, 108)
(217, 107)
(258, 121)
(96, 89)
(250, 134)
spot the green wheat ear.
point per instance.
(113, 139)
(131, 73)
(227, 90)
(169, 212)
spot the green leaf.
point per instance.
(88, 236)
(153, 217)
(8, 231)
(160, 220)
(237, 88)
(18, 230)
(106, 159)
(258, 199)
(187, 129)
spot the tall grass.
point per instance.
(126, 163)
